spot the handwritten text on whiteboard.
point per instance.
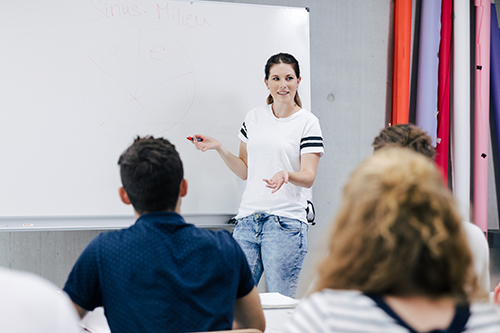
(163, 11)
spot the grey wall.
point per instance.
(50, 254)
(350, 51)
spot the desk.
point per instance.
(276, 318)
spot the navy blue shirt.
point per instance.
(162, 275)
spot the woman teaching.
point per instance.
(280, 148)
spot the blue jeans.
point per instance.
(276, 245)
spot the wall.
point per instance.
(350, 51)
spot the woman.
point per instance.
(398, 258)
(280, 147)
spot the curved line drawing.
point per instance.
(128, 90)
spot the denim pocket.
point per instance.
(288, 224)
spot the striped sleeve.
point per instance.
(244, 132)
(311, 144)
(312, 139)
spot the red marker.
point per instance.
(192, 139)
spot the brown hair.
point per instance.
(283, 58)
(398, 232)
(405, 135)
(151, 172)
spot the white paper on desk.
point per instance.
(95, 322)
(277, 301)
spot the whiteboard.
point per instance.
(80, 79)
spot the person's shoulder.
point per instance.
(341, 296)
(478, 307)
(337, 310)
(104, 241)
(24, 280)
(305, 113)
(222, 236)
(308, 120)
(106, 237)
(474, 234)
(223, 233)
(332, 300)
(332, 303)
(218, 241)
(27, 293)
(484, 317)
(135, 230)
(472, 229)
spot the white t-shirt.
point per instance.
(275, 144)
(480, 253)
(30, 304)
(351, 311)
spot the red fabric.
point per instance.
(401, 62)
(443, 131)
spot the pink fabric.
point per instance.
(481, 113)
(443, 131)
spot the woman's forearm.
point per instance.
(237, 164)
(302, 178)
(234, 163)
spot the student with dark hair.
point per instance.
(405, 135)
(163, 274)
(280, 148)
(398, 258)
(413, 137)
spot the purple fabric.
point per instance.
(427, 87)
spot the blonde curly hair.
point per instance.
(398, 232)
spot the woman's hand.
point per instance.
(204, 143)
(277, 181)
(237, 164)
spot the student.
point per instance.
(411, 136)
(398, 258)
(163, 274)
(30, 304)
(280, 148)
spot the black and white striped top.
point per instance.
(354, 312)
(275, 144)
